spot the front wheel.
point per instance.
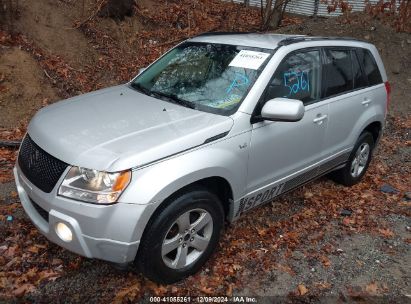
(181, 237)
(357, 163)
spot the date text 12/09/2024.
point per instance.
(204, 299)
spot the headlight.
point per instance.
(94, 186)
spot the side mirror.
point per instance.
(141, 70)
(283, 109)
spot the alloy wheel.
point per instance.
(187, 238)
(360, 160)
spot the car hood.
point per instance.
(119, 128)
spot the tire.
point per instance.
(357, 163)
(170, 236)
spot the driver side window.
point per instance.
(297, 77)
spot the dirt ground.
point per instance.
(20, 70)
(302, 248)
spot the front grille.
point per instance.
(43, 213)
(40, 168)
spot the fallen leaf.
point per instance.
(56, 262)
(23, 289)
(325, 261)
(49, 275)
(347, 221)
(229, 291)
(207, 290)
(308, 194)
(33, 249)
(129, 292)
(386, 233)
(405, 204)
(3, 89)
(302, 290)
(323, 285)
(236, 242)
(3, 248)
(160, 290)
(11, 251)
(371, 288)
(285, 268)
(75, 264)
(40, 245)
(174, 289)
(32, 272)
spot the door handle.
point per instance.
(366, 102)
(319, 119)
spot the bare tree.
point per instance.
(272, 13)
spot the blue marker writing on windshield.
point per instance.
(239, 80)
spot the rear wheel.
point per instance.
(357, 163)
(181, 237)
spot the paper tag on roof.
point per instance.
(249, 59)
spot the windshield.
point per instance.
(209, 77)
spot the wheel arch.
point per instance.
(375, 128)
(216, 184)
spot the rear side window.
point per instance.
(370, 67)
(297, 77)
(360, 81)
(338, 72)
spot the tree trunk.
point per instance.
(273, 14)
(277, 15)
(267, 13)
(117, 9)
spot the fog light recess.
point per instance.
(64, 232)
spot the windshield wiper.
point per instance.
(170, 97)
(140, 88)
(174, 98)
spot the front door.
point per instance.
(286, 149)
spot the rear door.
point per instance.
(279, 149)
(347, 88)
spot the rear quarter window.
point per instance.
(370, 67)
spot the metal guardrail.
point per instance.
(312, 7)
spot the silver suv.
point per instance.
(147, 172)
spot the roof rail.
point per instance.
(291, 40)
(224, 33)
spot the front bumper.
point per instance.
(103, 232)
